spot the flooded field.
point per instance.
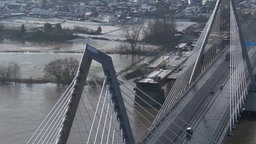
(23, 106)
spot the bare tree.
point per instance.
(1, 28)
(63, 70)
(131, 34)
(48, 27)
(161, 30)
(9, 71)
(1, 32)
(58, 28)
(22, 29)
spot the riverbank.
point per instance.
(112, 33)
(43, 81)
(32, 56)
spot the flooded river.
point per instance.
(23, 106)
(245, 131)
(22, 109)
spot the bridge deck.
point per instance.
(194, 105)
(211, 122)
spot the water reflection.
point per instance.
(244, 133)
(24, 106)
(22, 109)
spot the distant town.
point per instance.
(107, 11)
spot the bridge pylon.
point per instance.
(241, 41)
(59, 122)
(221, 66)
(214, 41)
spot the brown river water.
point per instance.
(23, 106)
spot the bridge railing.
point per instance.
(207, 45)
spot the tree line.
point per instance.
(158, 31)
(61, 71)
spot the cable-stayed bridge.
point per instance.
(202, 107)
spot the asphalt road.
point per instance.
(190, 110)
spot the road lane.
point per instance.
(190, 109)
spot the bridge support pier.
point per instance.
(149, 95)
(151, 90)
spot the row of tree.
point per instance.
(61, 70)
(159, 31)
(48, 32)
(9, 71)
